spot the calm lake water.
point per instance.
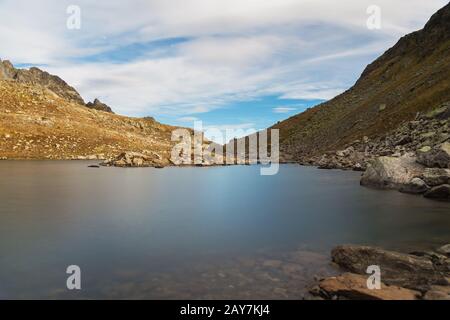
(223, 232)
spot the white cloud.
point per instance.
(283, 109)
(187, 119)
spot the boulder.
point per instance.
(440, 113)
(391, 172)
(436, 176)
(438, 157)
(400, 269)
(354, 286)
(415, 186)
(444, 249)
(438, 293)
(441, 192)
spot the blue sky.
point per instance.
(229, 63)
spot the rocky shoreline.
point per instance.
(415, 158)
(414, 276)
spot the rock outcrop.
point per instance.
(419, 275)
(98, 105)
(404, 270)
(136, 159)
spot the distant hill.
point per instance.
(42, 117)
(411, 77)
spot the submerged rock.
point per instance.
(354, 286)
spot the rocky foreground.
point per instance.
(419, 275)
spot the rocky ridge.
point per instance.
(98, 105)
(35, 76)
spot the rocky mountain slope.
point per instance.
(36, 76)
(39, 121)
(409, 79)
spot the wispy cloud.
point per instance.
(283, 109)
(187, 119)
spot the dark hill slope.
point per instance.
(411, 77)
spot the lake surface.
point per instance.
(192, 233)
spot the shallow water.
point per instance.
(223, 232)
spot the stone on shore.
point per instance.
(436, 176)
(438, 157)
(415, 186)
(391, 172)
(438, 293)
(441, 192)
(404, 270)
(444, 249)
(354, 286)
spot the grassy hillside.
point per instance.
(35, 123)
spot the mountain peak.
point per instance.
(98, 105)
(36, 76)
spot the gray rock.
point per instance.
(98, 105)
(437, 157)
(444, 249)
(136, 159)
(398, 269)
(441, 192)
(415, 186)
(436, 176)
(391, 172)
(440, 113)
